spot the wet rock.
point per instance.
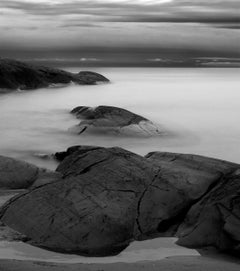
(113, 120)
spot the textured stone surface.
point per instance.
(113, 120)
(19, 75)
(215, 219)
(15, 174)
(107, 197)
(91, 211)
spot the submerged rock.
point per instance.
(113, 120)
(107, 197)
(19, 75)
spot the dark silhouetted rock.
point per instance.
(113, 120)
(91, 77)
(16, 174)
(108, 197)
(19, 75)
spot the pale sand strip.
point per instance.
(181, 263)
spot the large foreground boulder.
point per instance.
(108, 197)
(113, 120)
(19, 75)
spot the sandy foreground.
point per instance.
(180, 263)
(157, 254)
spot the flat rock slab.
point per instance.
(113, 120)
(108, 197)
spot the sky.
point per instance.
(137, 31)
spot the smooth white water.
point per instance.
(198, 109)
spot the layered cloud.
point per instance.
(128, 11)
(202, 25)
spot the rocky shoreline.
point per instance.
(16, 75)
(99, 200)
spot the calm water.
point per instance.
(199, 110)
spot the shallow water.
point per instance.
(197, 108)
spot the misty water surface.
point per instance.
(198, 110)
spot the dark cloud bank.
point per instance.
(73, 18)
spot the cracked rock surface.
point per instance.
(108, 197)
(113, 120)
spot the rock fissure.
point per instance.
(140, 201)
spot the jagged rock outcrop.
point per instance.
(113, 120)
(16, 174)
(19, 75)
(108, 197)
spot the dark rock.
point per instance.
(16, 174)
(105, 198)
(19, 75)
(63, 215)
(91, 77)
(110, 119)
(60, 156)
(46, 177)
(215, 219)
(182, 180)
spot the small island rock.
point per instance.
(113, 120)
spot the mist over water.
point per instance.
(198, 111)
